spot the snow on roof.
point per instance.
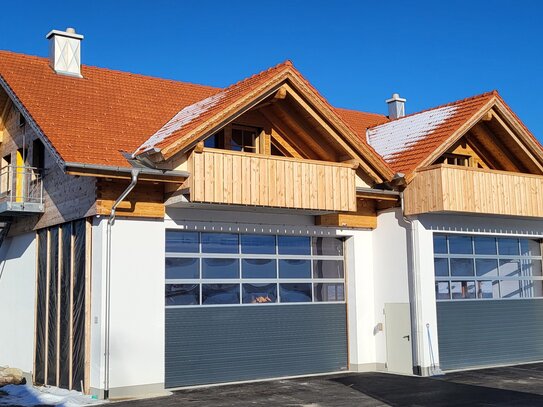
(393, 138)
(182, 118)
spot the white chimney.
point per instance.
(65, 52)
(396, 106)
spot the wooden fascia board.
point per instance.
(369, 157)
(459, 133)
(226, 116)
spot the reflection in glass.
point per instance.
(329, 292)
(485, 245)
(441, 267)
(259, 293)
(182, 294)
(510, 289)
(442, 290)
(220, 268)
(258, 244)
(532, 288)
(462, 267)
(178, 241)
(295, 292)
(220, 243)
(293, 245)
(179, 268)
(328, 269)
(508, 246)
(531, 268)
(510, 268)
(488, 289)
(462, 289)
(440, 244)
(327, 246)
(258, 268)
(294, 268)
(220, 294)
(486, 267)
(530, 247)
(460, 245)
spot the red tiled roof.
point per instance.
(361, 121)
(92, 120)
(406, 142)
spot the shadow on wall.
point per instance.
(14, 248)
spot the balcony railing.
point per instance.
(446, 188)
(21, 190)
(229, 177)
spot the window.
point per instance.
(204, 269)
(38, 154)
(244, 139)
(487, 267)
(454, 159)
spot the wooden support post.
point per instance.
(71, 334)
(46, 341)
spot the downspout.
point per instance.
(110, 222)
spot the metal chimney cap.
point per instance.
(396, 98)
(70, 33)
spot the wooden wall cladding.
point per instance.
(227, 177)
(445, 188)
(146, 200)
(364, 217)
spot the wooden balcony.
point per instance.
(228, 177)
(446, 188)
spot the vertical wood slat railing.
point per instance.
(446, 188)
(229, 177)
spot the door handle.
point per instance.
(406, 337)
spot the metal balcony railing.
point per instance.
(21, 189)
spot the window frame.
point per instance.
(277, 280)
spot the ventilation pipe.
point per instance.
(110, 222)
(396, 106)
(65, 52)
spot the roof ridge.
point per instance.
(456, 102)
(286, 63)
(359, 111)
(118, 71)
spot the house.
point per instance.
(160, 234)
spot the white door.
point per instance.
(398, 338)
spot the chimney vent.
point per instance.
(396, 106)
(65, 52)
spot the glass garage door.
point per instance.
(246, 306)
(489, 300)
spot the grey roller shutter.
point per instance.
(223, 344)
(485, 333)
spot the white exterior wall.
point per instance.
(424, 227)
(18, 301)
(391, 277)
(137, 307)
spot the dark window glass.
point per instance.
(258, 268)
(510, 268)
(259, 293)
(488, 289)
(440, 244)
(329, 292)
(220, 243)
(294, 269)
(441, 267)
(484, 245)
(327, 246)
(178, 241)
(462, 289)
(442, 290)
(460, 245)
(508, 247)
(220, 294)
(220, 268)
(294, 245)
(297, 292)
(462, 267)
(530, 247)
(328, 269)
(257, 244)
(182, 294)
(182, 268)
(486, 267)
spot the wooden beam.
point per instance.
(283, 145)
(364, 217)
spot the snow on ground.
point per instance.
(37, 396)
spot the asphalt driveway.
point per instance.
(504, 386)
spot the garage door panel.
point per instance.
(221, 344)
(479, 333)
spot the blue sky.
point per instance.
(356, 53)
